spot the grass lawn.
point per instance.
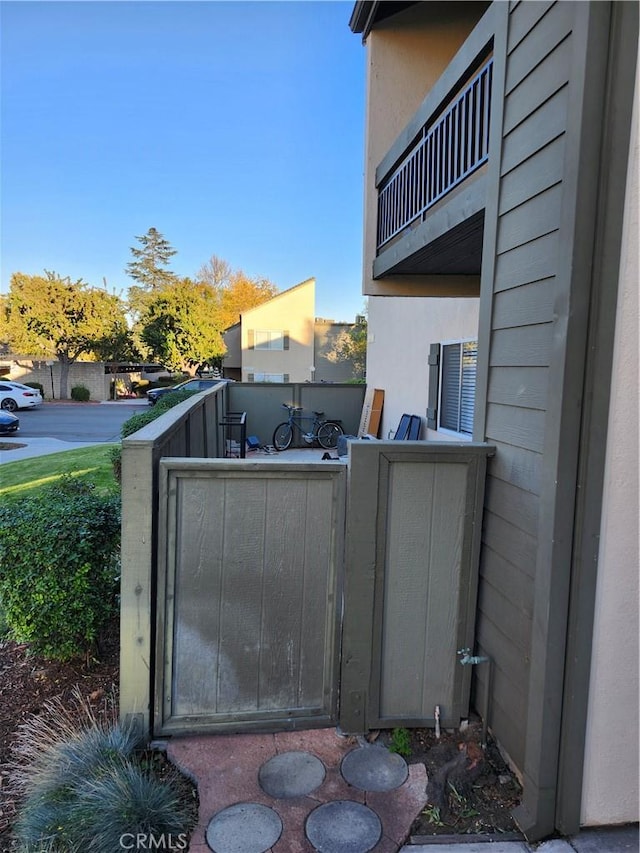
(92, 464)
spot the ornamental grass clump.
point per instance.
(60, 558)
(82, 785)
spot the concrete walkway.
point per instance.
(31, 447)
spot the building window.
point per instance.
(458, 367)
(268, 339)
(267, 377)
(452, 386)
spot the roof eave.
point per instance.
(363, 16)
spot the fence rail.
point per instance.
(445, 153)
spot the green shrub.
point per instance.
(167, 401)
(59, 552)
(80, 393)
(116, 461)
(83, 785)
(401, 742)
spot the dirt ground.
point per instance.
(471, 790)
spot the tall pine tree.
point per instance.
(149, 268)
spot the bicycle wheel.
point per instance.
(328, 434)
(282, 436)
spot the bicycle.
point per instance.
(323, 431)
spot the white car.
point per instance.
(15, 395)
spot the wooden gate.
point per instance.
(267, 609)
(248, 595)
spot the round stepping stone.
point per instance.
(374, 768)
(291, 774)
(244, 828)
(343, 827)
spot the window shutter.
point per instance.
(450, 391)
(468, 386)
(285, 377)
(250, 377)
(251, 340)
(285, 340)
(434, 375)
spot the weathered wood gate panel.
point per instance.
(413, 535)
(249, 588)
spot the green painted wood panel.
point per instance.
(525, 387)
(412, 550)
(514, 623)
(423, 563)
(508, 713)
(518, 466)
(523, 16)
(515, 505)
(534, 218)
(526, 346)
(542, 83)
(525, 264)
(514, 584)
(526, 305)
(517, 426)
(511, 543)
(551, 29)
(249, 574)
(536, 173)
(509, 659)
(537, 130)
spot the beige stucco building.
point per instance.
(281, 340)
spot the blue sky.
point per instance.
(234, 128)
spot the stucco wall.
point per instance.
(406, 55)
(610, 785)
(232, 341)
(88, 373)
(400, 332)
(292, 311)
(326, 336)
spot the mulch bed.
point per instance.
(27, 682)
(471, 791)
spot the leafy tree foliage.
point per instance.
(351, 345)
(53, 316)
(179, 325)
(235, 292)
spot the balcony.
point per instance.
(431, 185)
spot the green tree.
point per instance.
(179, 325)
(351, 345)
(149, 266)
(53, 316)
(150, 269)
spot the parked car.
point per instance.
(15, 395)
(189, 385)
(8, 423)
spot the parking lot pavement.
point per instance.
(57, 426)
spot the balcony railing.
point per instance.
(447, 151)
